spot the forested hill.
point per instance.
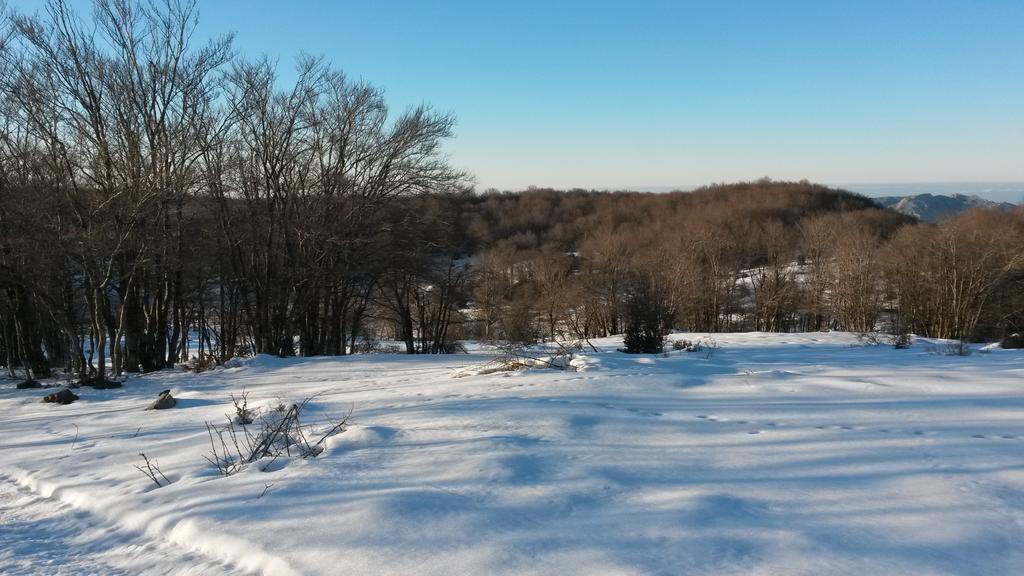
(543, 218)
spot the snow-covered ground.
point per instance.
(778, 454)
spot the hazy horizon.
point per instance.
(1012, 192)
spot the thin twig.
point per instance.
(151, 471)
(266, 488)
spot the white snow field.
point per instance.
(778, 454)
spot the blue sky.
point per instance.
(659, 94)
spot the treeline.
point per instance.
(161, 201)
(769, 256)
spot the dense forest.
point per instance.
(769, 256)
(161, 201)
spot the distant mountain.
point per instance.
(934, 207)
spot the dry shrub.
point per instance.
(278, 433)
(199, 365)
(902, 341)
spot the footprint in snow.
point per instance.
(643, 412)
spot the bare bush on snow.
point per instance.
(278, 433)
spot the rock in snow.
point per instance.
(100, 383)
(163, 401)
(63, 396)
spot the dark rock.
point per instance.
(29, 384)
(1013, 341)
(64, 396)
(163, 402)
(100, 383)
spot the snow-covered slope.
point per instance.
(775, 454)
(934, 207)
